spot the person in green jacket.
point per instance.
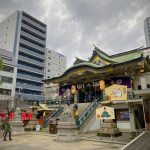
(7, 129)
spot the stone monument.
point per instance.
(17, 124)
(109, 128)
(67, 129)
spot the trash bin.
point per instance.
(53, 127)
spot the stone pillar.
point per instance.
(67, 129)
(143, 83)
(17, 124)
(132, 120)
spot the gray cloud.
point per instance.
(75, 25)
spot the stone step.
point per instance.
(89, 118)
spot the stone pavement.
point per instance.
(93, 136)
(40, 141)
(141, 143)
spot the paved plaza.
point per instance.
(47, 142)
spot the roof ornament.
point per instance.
(94, 47)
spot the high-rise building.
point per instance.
(25, 36)
(147, 31)
(7, 75)
(55, 66)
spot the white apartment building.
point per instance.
(55, 66)
(7, 74)
(147, 31)
(143, 79)
(25, 37)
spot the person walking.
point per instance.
(7, 129)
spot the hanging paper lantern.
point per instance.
(102, 84)
(73, 89)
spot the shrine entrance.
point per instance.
(88, 92)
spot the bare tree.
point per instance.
(7, 104)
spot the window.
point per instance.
(7, 79)
(139, 87)
(49, 51)
(148, 86)
(122, 114)
(49, 64)
(7, 27)
(6, 34)
(5, 42)
(8, 69)
(48, 70)
(5, 92)
(48, 77)
(49, 58)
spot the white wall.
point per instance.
(124, 125)
(55, 64)
(138, 79)
(8, 29)
(93, 125)
(146, 30)
(7, 32)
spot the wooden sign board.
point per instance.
(116, 92)
(105, 112)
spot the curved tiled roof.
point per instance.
(123, 57)
(113, 60)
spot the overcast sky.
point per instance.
(75, 25)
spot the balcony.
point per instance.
(31, 53)
(30, 97)
(33, 37)
(6, 74)
(142, 92)
(28, 77)
(32, 45)
(33, 30)
(6, 86)
(34, 23)
(31, 61)
(30, 69)
(29, 87)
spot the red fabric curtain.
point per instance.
(23, 116)
(29, 116)
(11, 116)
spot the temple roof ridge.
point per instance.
(78, 60)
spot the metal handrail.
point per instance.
(54, 114)
(87, 112)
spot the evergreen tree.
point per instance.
(1, 64)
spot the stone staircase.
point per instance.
(81, 108)
(87, 121)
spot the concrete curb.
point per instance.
(104, 141)
(132, 141)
